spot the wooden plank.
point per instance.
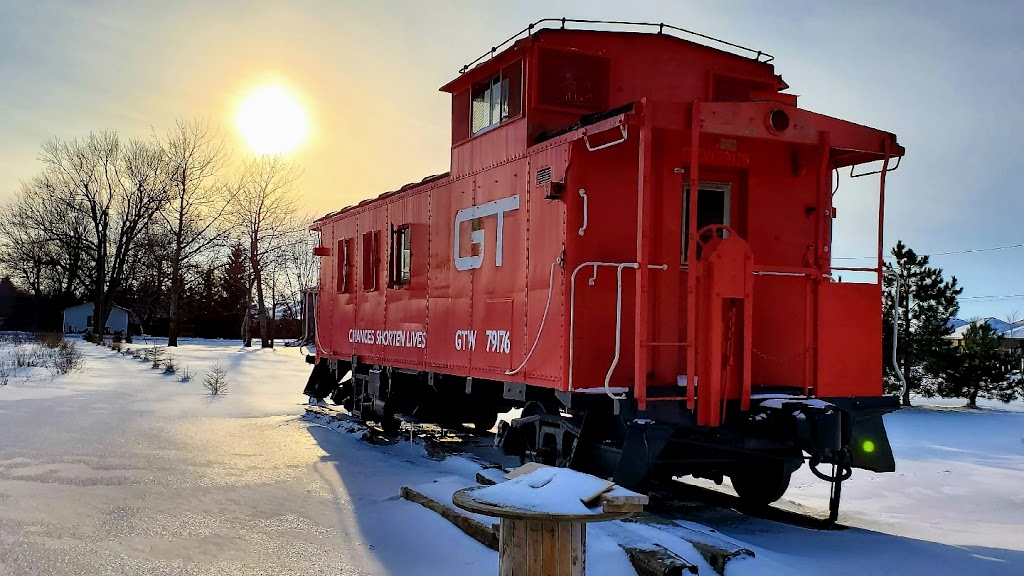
(579, 554)
(507, 548)
(719, 556)
(565, 559)
(524, 470)
(520, 547)
(534, 549)
(715, 550)
(589, 499)
(656, 560)
(618, 508)
(552, 548)
(619, 495)
(486, 535)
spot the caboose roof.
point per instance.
(410, 186)
(493, 60)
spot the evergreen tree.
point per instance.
(926, 303)
(981, 367)
(235, 290)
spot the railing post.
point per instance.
(691, 259)
(881, 209)
(643, 222)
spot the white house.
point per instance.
(78, 319)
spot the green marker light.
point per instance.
(868, 446)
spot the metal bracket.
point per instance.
(564, 397)
(893, 169)
(583, 194)
(515, 391)
(625, 134)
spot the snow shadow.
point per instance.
(396, 536)
(857, 551)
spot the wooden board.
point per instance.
(482, 533)
(524, 470)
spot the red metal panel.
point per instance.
(489, 148)
(325, 302)
(609, 179)
(779, 331)
(499, 282)
(544, 334)
(370, 302)
(449, 307)
(405, 318)
(751, 120)
(343, 313)
(851, 347)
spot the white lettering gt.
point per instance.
(495, 208)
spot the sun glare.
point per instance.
(272, 121)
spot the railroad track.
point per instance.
(672, 500)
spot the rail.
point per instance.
(618, 315)
(661, 26)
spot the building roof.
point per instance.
(1001, 327)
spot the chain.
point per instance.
(783, 359)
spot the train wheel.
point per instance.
(390, 424)
(760, 484)
(546, 438)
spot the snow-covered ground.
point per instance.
(122, 469)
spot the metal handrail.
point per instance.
(662, 27)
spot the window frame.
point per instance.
(344, 262)
(499, 84)
(370, 260)
(401, 256)
(726, 189)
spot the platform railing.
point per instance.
(559, 23)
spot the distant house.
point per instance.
(78, 319)
(1013, 334)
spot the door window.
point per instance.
(714, 202)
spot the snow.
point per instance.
(776, 401)
(549, 490)
(121, 469)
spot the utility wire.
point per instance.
(988, 298)
(949, 253)
(993, 297)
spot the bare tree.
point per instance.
(119, 187)
(25, 252)
(44, 247)
(195, 154)
(264, 209)
(300, 269)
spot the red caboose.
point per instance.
(565, 266)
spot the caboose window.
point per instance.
(713, 207)
(496, 99)
(343, 265)
(401, 256)
(370, 260)
(490, 103)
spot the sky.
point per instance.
(945, 76)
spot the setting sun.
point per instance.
(272, 121)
